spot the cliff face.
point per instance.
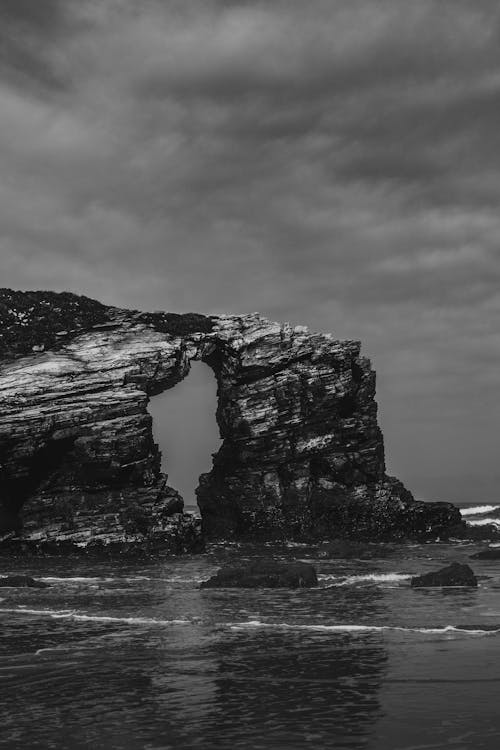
(302, 455)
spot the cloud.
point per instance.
(335, 164)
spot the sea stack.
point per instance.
(302, 455)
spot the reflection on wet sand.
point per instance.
(287, 688)
(202, 684)
(139, 658)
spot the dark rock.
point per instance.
(264, 574)
(455, 574)
(22, 582)
(174, 504)
(487, 532)
(302, 455)
(487, 554)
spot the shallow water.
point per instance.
(137, 656)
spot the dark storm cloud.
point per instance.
(336, 164)
(42, 17)
(28, 32)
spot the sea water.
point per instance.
(123, 655)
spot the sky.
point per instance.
(333, 163)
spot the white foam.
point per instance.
(475, 510)
(180, 579)
(368, 577)
(65, 614)
(347, 628)
(117, 579)
(484, 522)
(77, 579)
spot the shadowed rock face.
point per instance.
(302, 455)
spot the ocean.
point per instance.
(128, 655)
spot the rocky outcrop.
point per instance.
(493, 553)
(455, 574)
(302, 455)
(264, 574)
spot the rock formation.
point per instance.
(492, 553)
(267, 574)
(456, 574)
(302, 455)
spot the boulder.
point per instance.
(264, 574)
(20, 581)
(455, 574)
(487, 554)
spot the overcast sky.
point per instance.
(333, 163)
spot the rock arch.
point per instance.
(302, 455)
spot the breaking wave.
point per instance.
(477, 510)
(66, 614)
(251, 624)
(366, 578)
(346, 628)
(116, 579)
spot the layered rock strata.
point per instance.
(302, 455)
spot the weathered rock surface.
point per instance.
(302, 455)
(455, 574)
(22, 582)
(264, 574)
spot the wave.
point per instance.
(346, 628)
(66, 614)
(484, 521)
(476, 510)
(116, 579)
(368, 577)
(86, 579)
(77, 579)
(338, 628)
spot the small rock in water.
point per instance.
(487, 554)
(455, 574)
(22, 582)
(264, 574)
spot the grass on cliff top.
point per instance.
(36, 321)
(39, 319)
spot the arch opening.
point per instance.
(186, 430)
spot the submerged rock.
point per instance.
(302, 456)
(487, 554)
(264, 574)
(20, 581)
(455, 574)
